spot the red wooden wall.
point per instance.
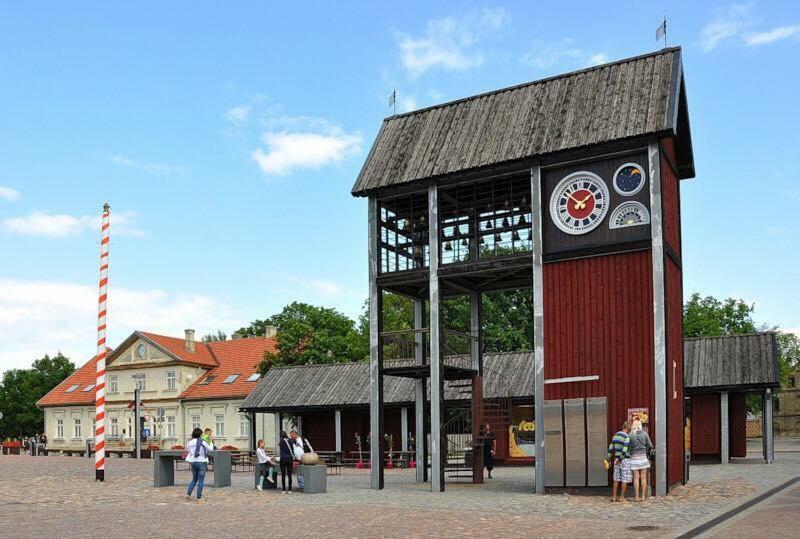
(737, 424)
(705, 425)
(670, 197)
(674, 312)
(598, 319)
(319, 428)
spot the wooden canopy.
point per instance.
(735, 362)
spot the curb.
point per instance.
(722, 517)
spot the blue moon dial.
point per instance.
(629, 179)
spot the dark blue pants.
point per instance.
(198, 478)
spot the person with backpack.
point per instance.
(197, 456)
(287, 446)
(619, 454)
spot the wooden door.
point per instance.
(705, 425)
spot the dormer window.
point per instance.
(72, 388)
(207, 380)
(230, 379)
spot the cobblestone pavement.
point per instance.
(48, 496)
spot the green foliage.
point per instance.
(308, 334)
(710, 317)
(788, 355)
(21, 388)
(213, 337)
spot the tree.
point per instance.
(307, 334)
(213, 337)
(257, 328)
(21, 388)
(710, 317)
(788, 355)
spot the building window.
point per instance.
(88, 388)
(112, 383)
(59, 428)
(72, 388)
(230, 379)
(171, 385)
(139, 381)
(195, 422)
(114, 426)
(244, 425)
(253, 377)
(171, 426)
(220, 425)
(207, 380)
(77, 429)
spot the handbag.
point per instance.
(651, 454)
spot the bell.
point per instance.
(522, 221)
(498, 238)
(480, 240)
(524, 201)
(447, 246)
(489, 225)
(505, 222)
(506, 204)
(515, 236)
(464, 242)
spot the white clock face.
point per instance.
(579, 203)
(140, 350)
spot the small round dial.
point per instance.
(579, 203)
(629, 213)
(629, 179)
(140, 351)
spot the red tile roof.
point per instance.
(175, 346)
(83, 377)
(240, 356)
(223, 358)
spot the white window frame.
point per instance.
(219, 425)
(171, 426)
(72, 388)
(172, 381)
(59, 428)
(76, 428)
(195, 422)
(244, 425)
(140, 381)
(112, 383)
(114, 426)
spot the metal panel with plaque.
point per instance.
(597, 442)
(553, 444)
(575, 435)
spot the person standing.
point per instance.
(286, 460)
(302, 446)
(207, 438)
(619, 454)
(489, 447)
(641, 446)
(197, 457)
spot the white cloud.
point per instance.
(407, 103)
(287, 151)
(59, 225)
(755, 39)
(39, 317)
(238, 114)
(8, 193)
(450, 43)
(149, 167)
(727, 25)
(563, 53)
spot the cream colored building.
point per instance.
(183, 384)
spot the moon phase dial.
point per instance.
(629, 179)
(579, 203)
(628, 214)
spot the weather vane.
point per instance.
(661, 31)
(393, 101)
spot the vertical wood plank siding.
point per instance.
(705, 426)
(598, 320)
(674, 308)
(670, 197)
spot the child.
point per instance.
(206, 437)
(265, 463)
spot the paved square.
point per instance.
(56, 496)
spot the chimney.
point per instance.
(188, 342)
(270, 331)
(235, 336)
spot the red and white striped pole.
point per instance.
(100, 383)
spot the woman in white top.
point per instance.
(197, 455)
(265, 463)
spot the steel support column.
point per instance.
(252, 419)
(766, 421)
(437, 381)
(538, 324)
(375, 367)
(276, 416)
(337, 419)
(403, 429)
(659, 319)
(421, 456)
(476, 353)
(724, 429)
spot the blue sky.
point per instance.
(227, 141)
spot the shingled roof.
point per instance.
(508, 374)
(735, 361)
(631, 98)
